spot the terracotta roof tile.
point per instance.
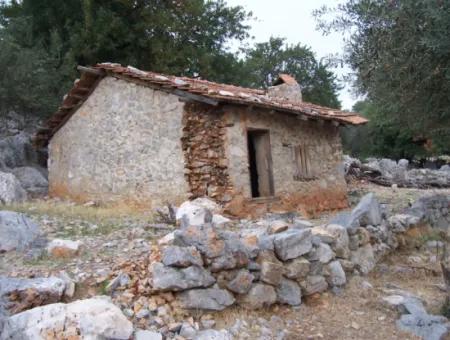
(203, 89)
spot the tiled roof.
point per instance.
(190, 88)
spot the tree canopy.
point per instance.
(400, 53)
(41, 43)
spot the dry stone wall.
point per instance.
(212, 268)
(123, 144)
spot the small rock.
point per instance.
(143, 313)
(278, 226)
(211, 334)
(147, 335)
(64, 248)
(181, 257)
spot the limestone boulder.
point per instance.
(271, 272)
(368, 211)
(259, 296)
(364, 259)
(181, 256)
(17, 295)
(205, 238)
(297, 268)
(314, 284)
(340, 240)
(425, 326)
(59, 248)
(212, 334)
(197, 212)
(293, 243)
(32, 180)
(11, 190)
(16, 151)
(336, 274)
(147, 335)
(214, 299)
(95, 318)
(400, 223)
(172, 279)
(17, 232)
(242, 282)
(321, 253)
(289, 292)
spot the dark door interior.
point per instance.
(260, 163)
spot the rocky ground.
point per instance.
(115, 241)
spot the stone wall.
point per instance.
(326, 191)
(123, 144)
(204, 152)
(278, 260)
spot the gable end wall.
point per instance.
(122, 145)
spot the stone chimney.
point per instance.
(285, 87)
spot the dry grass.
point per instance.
(70, 211)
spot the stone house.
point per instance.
(127, 136)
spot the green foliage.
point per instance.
(42, 42)
(381, 137)
(401, 54)
(266, 60)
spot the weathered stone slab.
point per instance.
(292, 243)
(11, 190)
(206, 299)
(17, 231)
(242, 282)
(289, 292)
(172, 279)
(181, 256)
(95, 318)
(297, 268)
(259, 296)
(314, 284)
(364, 259)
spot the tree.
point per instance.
(400, 52)
(381, 137)
(183, 37)
(266, 60)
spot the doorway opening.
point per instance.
(260, 163)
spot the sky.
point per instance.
(293, 20)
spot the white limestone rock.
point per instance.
(64, 248)
(95, 318)
(17, 231)
(11, 190)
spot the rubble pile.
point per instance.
(388, 172)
